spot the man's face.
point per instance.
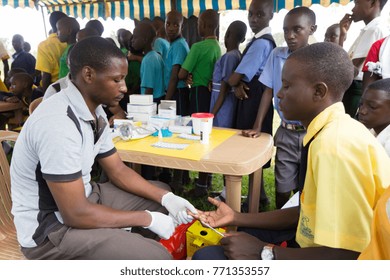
(374, 110)
(17, 43)
(297, 29)
(108, 86)
(173, 27)
(296, 94)
(62, 32)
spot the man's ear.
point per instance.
(321, 91)
(313, 29)
(88, 74)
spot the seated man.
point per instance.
(58, 212)
(345, 173)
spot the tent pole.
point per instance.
(44, 22)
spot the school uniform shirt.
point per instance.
(161, 46)
(48, 56)
(152, 74)
(57, 143)
(200, 61)
(254, 60)
(379, 247)
(347, 172)
(64, 69)
(176, 55)
(379, 53)
(223, 69)
(384, 138)
(25, 61)
(272, 77)
(373, 31)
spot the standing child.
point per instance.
(200, 64)
(375, 28)
(223, 101)
(332, 34)
(298, 25)
(152, 65)
(245, 79)
(67, 29)
(374, 111)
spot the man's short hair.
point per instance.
(328, 63)
(383, 85)
(95, 52)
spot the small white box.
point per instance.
(140, 117)
(140, 108)
(160, 122)
(143, 99)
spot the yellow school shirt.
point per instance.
(379, 247)
(347, 171)
(3, 87)
(48, 56)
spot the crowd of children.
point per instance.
(243, 90)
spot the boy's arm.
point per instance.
(264, 105)
(183, 74)
(46, 80)
(149, 91)
(6, 68)
(240, 87)
(173, 80)
(345, 24)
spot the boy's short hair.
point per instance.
(24, 77)
(238, 29)
(382, 85)
(148, 28)
(95, 52)
(54, 18)
(178, 14)
(96, 24)
(210, 18)
(304, 11)
(328, 63)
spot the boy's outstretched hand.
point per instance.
(223, 216)
(242, 246)
(240, 91)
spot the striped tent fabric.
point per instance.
(139, 9)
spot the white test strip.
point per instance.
(213, 229)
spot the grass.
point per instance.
(217, 183)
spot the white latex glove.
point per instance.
(177, 208)
(161, 224)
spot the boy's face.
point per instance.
(173, 27)
(361, 10)
(16, 86)
(108, 86)
(17, 44)
(332, 35)
(296, 94)
(138, 41)
(62, 31)
(374, 110)
(258, 16)
(297, 29)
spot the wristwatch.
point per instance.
(268, 252)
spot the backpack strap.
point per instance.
(266, 36)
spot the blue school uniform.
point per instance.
(223, 68)
(152, 74)
(176, 55)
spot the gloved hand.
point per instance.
(177, 208)
(161, 224)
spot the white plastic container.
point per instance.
(197, 118)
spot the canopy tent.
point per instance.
(139, 9)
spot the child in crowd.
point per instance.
(335, 213)
(223, 102)
(152, 66)
(67, 29)
(176, 89)
(332, 34)
(245, 78)
(377, 63)
(298, 25)
(49, 53)
(160, 43)
(374, 111)
(375, 28)
(95, 24)
(200, 64)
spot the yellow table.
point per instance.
(228, 153)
